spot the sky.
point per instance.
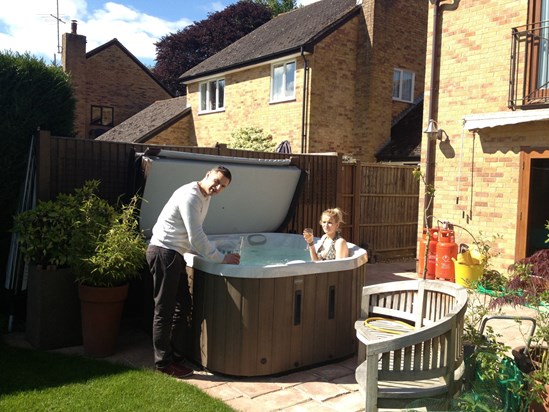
(37, 26)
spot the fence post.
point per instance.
(43, 145)
(357, 210)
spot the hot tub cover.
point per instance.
(260, 197)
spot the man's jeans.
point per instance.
(172, 303)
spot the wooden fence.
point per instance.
(381, 201)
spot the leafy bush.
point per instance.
(56, 231)
(252, 138)
(119, 253)
(528, 282)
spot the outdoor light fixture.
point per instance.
(433, 132)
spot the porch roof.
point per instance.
(487, 120)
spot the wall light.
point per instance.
(434, 132)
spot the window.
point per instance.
(283, 81)
(403, 85)
(212, 95)
(102, 116)
(538, 15)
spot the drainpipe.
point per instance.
(433, 98)
(305, 101)
(433, 104)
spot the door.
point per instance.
(533, 211)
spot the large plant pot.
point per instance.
(527, 364)
(101, 314)
(53, 309)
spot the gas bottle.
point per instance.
(431, 256)
(446, 249)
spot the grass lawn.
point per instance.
(33, 380)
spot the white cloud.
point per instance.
(31, 26)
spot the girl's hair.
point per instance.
(336, 213)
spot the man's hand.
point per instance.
(232, 259)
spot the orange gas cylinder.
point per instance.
(431, 256)
(446, 249)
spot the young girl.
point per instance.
(331, 245)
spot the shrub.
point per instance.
(252, 138)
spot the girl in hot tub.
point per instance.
(331, 244)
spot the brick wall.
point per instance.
(477, 174)
(109, 77)
(247, 104)
(332, 92)
(393, 35)
(180, 133)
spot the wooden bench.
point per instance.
(411, 347)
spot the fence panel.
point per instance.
(388, 210)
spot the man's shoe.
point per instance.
(175, 370)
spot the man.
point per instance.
(179, 230)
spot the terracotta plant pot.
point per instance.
(101, 314)
(543, 405)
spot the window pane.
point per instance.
(290, 79)
(396, 83)
(543, 75)
(212, 96)
(407, 84)
(107, 117)
(96, 115)
(221, 93)
(278, 73)
(203, 96)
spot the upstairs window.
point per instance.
(212, 95)
(403, 85)
(102, 116)
(283, 81)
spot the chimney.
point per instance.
(73, 26)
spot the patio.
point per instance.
(330, 387)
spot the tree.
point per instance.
(176, 53)
(278, 6)
(33, 96)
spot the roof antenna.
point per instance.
(58, 20)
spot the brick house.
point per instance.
(333, 76)
(321, 77)
(488, 64)
(110, 84)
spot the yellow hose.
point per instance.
(395, 332)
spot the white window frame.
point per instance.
(400, 79)
(208, 103)
(287, 91)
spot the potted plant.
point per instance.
(533, 360)
(45, 235)
(105, 263)
(528, 285)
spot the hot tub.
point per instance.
(261, 317)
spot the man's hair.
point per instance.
(224, 171)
